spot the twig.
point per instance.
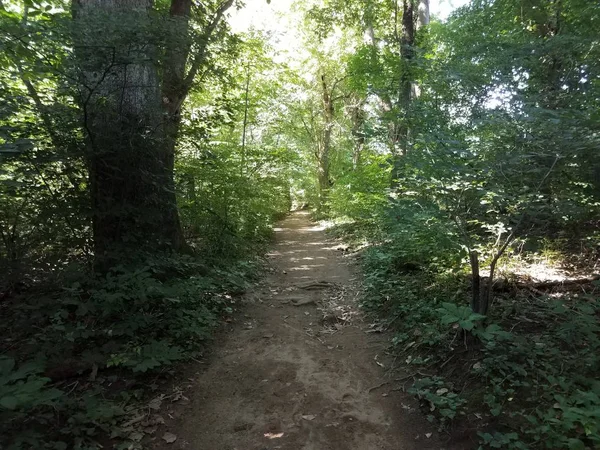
(75, 384)
(447, 361)
(379, 385)
(133, 421)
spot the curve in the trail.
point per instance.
(297, 371)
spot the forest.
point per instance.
(148, 148)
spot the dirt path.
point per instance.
(296, 373)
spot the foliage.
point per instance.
(67, 318)
(530, 378)
(127, 321)
(487, 122)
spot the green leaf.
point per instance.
(9, 402)
(576, 444)
(6, 365)
(466, 325)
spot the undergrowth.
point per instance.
(525, 377)
(78, 356)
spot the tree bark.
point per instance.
(133, 120)
(475, 282)
(245, 123)
(177, 82)
(325, 144)
(131, 178)
(357, 117)
(400, 138)
(423, 14)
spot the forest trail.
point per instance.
(298, 371)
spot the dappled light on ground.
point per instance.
(299, 369)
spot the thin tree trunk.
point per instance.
(243, 165)
(400, 138)
(423, 14)
(475, 282)
(357, 116)
(325, 144)
(177, 83)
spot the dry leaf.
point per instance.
(155, 403)
(169, 438)
(273, 435)
(136, 436)
(309, 417)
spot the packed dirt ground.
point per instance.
(300, 368)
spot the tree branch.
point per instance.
(200, 57)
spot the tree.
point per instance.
(132, 116)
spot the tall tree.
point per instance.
(132, 117)
(324, 144)
(120, 98)
(401, 130)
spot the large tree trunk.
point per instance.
(131, 169)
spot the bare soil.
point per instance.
(301, 369)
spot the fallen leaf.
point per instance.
(155, 403)
(134, 421)
(136, 436)
(169, 438)
(302, 301)
(273, 435)
(428, 435)
(309, 417)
